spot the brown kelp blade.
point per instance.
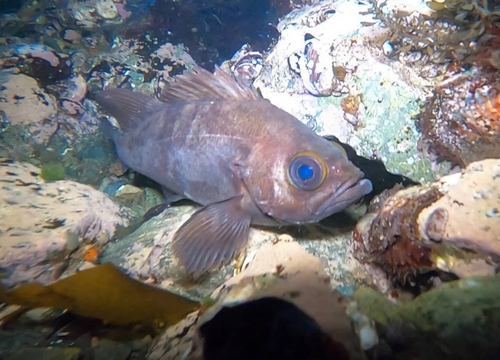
(105, 292)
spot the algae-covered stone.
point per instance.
(458, 320)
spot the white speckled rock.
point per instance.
(472, 208)
(45, 228)
(25, 103)
(300, 274)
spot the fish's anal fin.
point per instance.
(213, 235)
(199, 84)
(128, 107)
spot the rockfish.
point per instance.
(219, 143)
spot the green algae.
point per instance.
(52, 172)
(458, 320)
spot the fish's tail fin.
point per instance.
(128, 107)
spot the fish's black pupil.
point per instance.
(305, 172)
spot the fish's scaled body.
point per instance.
(220, 144)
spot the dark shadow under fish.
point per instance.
(218, 143)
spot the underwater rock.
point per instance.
(461, 122)
(452, 225)
(26, 104)
(92, 14)
(458, 320)
(46, 228)
(70, 93)
(279, 271)
(36, 60)
(326, 66)
(46, 353)
(138, 200)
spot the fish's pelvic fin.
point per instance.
(154, 211)
(213, 235)
(201, 84)
(127, 106)
(169, 196)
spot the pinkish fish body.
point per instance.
(220, 144)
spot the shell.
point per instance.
(106, 9)
(316, 69)
(245, 65)
(248, 67)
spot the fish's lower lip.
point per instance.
(346, 194)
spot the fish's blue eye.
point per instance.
(307, 171)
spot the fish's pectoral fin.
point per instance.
(212, 236)
(128, 107)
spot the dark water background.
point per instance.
(212, 30)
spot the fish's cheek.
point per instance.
(288, 205)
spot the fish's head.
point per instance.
(307, 185)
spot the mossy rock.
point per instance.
(458, 320)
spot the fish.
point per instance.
(216, 141)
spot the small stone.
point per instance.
(129, 194)
(42, 314)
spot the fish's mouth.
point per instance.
(345, 195)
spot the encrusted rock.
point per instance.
(326, 66)
(282, 270)
(457, 320)
(452, 224)
(46, 228)
(25, 103)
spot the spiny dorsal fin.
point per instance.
(127, 106)
(202, 84)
